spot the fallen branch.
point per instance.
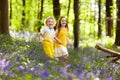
(113, 53)
(117, 54)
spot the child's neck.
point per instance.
(62, 26)
(50, 27)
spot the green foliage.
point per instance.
(88, 16)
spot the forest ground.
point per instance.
(85, 53)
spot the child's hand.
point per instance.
(60, 42)
(57, 40)
(41, 39)
(71, 44)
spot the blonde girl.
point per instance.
(47, 36)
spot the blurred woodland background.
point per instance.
(90, 22)
(87, 18)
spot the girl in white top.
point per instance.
(47, 36)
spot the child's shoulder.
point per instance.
(45, 28)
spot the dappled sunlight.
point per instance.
(105, 41)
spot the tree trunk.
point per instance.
(10, 12)
(68, 9)
(0, 18)
(117, 39)
(4, 29)
(76, 23)
(23, 15)
(99, 19)
(109, 22)
(41, 11)
(56, 9)
(40, 15)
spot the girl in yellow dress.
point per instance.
(47, 36)
(62, 35)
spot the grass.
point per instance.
(22, 59)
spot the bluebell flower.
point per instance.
(31, 52)
(76, 72)
(82, 74)
(33, 70)
(5, 64)
(90, 75)
(98, 72)
(109, 78)
(68, 65)
(93, 69)
(17, 57)
(85, 59)
(44, 74)
(64, 72)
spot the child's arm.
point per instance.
(41, 38)
(69, 42)
(57, 40)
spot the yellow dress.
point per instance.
(48, 42)
(60, 49)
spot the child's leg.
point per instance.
(64, 60)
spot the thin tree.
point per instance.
(117, 39)
(23, 15)
(109, 22)
(0, 18)
(4, 29)
(10, 12)
(40, 14)
(56, 9)
(99, 19)
(76, 24)
(68, 9)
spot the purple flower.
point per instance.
(81, 75)
(76, 72)
(31, 52)
(109, 78)
(64, 72)
(46, 63)
(17, 57)
(93, 69)
(5, 64)
(7, 67)
(90, 74)
(68, 65)
(98, 72)
(85, 59)
(44, 74)
(10, 74)
(70, 78)
(33, 70)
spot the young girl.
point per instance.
(62, 35)
(47, 36)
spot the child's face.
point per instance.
(50, 23)
(63, 22)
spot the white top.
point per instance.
(51, 30)
(48, 33)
